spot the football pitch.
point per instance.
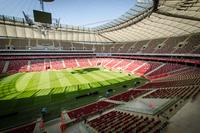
(23, 85)
(27, 93)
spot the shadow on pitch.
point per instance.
(85, 70)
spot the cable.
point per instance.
(99, 22)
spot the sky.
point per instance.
(87, 13)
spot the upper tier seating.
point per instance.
(128, 47)
(181, 44)
(98, 48)
(107, 48)
(169, 44)
(66, 45)
(78, 46)
(119, 48)
(152, 45)
(138, 46)
(190, 45)
(19, 44)
(4, 43)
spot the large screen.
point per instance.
(42, 17)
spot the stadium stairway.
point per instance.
(29, 65)
(154, 70)
(186, 118)
(89, 62)
(78, 128)
(5, 68)
(77, 63)
(114, 101)
(53, 126)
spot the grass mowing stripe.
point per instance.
(116, 76)
(44, 82)
(83, 86)
(22, 82)
(58, 90)
(88, 77)
(11, 96)
(5, 80)
(54, 82)
(127, 77)
(105, 76)
(57, 98)
(121, 79)
(7, 85)
(43, 92)
(104, 83)
(113, 81)
(101, 79)
(33, 83)
(81, 79)
(64, 81)
(97, 77)
(27, 94)
(72, 88)
(72, 79)
(76, 78)
(94, 85)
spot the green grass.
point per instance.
(27, 93)
(33, 83)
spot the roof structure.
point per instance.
(171, 18)
(145, 21)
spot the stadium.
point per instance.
(138, 72)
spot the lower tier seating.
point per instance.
(149, 69)
(172, 92)
(18, 66)
(2, 63)
(57, 64)
(118, 122)
(28, 128)
(177, 83)
(129, 95)
(88, 109)
(37, 65)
